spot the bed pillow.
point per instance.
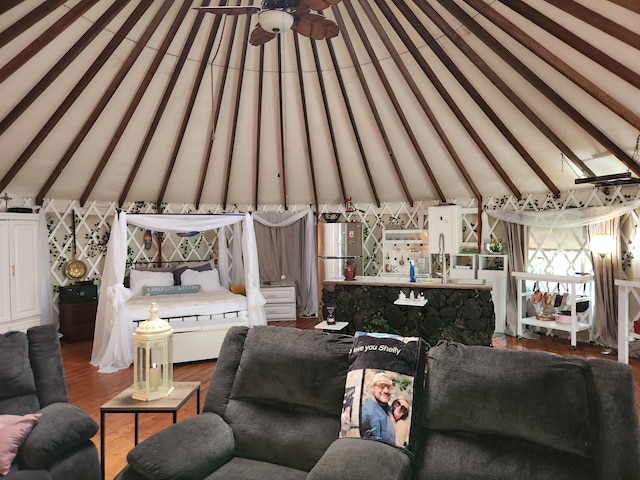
(171, 290)
(138, 279)
(384, 383)
(177, 273)
(208, 280)
(13, 430)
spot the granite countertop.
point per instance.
(390, 281)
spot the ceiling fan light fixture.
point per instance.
(275, 21)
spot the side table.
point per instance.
(123, 403)
(331, 327)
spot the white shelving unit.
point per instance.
(571, 282)
(493, 270)
(626, 333)
(463, 265)
(401, 246)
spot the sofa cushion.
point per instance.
(239, 468)
(477, 456)
(13, 430)
(294, 367)
(16, 376)
(62, 427)
(535, 396)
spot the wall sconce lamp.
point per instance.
(602, 244)
(152, 358)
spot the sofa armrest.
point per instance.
(191, 448)
(61, 428)
(363, 459)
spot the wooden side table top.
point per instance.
(123, 402)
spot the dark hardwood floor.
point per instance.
(89, 389)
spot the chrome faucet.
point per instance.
(443, 258)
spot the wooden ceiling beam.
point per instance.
(60, 66)
(215, 114)
(442, 134)
(352, 119)
(554, 61)
(571, 39)
(632, 5)
(598, 21)
(448, 99)
(7, 5)
(505, 89)
(234, 122)
(169, 88)
(258, 156)
(478, 98)
(137, 98)
(29, 20)
(327, 111)
(530, 76)
(82, 84)
(113, 87)
(283, 165)
(43, 40)
(367, 91)
(305, 118)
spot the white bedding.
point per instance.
(217, 302)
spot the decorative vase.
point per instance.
(349, 270)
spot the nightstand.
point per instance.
(280, 302)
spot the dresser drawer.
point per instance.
(279, 294)
(282, 311)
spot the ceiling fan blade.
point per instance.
(318, 4)
(315, 26)
(259, 36)
(239, 10)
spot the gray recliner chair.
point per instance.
(59, 446)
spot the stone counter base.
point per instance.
(461, 315)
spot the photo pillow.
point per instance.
(384, 383)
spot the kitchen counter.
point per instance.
(401, 282)
(455, 311)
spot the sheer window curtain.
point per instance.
(287, 246)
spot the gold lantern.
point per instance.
(152, 358)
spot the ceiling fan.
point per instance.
(276, 16)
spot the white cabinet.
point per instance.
(493, 270)
(463, 265)
(445, 228)
(19, 277)
(572, 283)
(280, 302)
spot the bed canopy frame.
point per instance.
(113, 343)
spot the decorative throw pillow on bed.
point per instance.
(208, 280)
(177, 273)
(384, 382)
(138, 279)
(171, 290)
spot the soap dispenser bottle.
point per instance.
(412, 271)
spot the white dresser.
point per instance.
(280, 301)
(19, 271)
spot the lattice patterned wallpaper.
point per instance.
(93, 222)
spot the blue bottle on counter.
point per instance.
(412, 272)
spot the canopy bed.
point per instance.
(210, 312)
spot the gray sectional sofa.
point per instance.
(273, 408)
(59, 446)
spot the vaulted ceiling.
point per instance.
(155, 101)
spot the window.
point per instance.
(558, 251)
